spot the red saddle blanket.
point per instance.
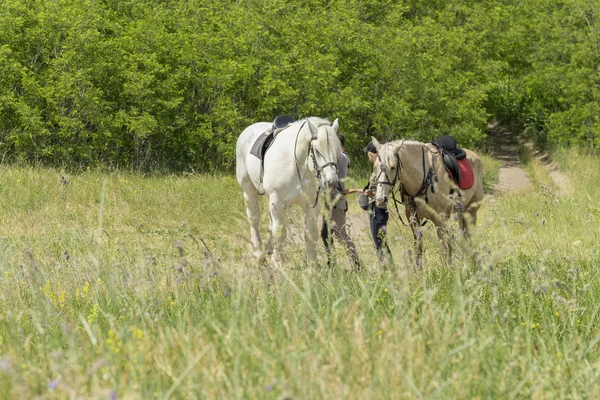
(467, 178)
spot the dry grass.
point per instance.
(145, 290)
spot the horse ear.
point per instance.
(375, 143)
(335, 126)
(313, 129)
(399, 146)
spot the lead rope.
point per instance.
(396, 202)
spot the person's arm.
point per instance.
(352, 191)
(370, 191)
(370, 194)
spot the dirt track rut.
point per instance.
(503, 144)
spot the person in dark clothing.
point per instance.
(379, 215)
(338, 226)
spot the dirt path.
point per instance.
(503, 144)
(559, 180)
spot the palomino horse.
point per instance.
(300, 163)
(426, 187)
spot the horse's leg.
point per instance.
(339, 230)
(417, 235)
(276, 210)
(463, 223)
(310, 234)
(418, 241)
(326, 236)
(473, 216)
(445, 237)
(468, 218)
(342, 233)
(253, 212)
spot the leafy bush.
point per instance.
(152, 84)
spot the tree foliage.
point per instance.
(154, 83)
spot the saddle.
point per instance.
(265, 140)
(455, 160)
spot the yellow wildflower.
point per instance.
(137, 333)
(93, 314)
(113, 342)
(63, 298)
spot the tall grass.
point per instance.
(119, 285)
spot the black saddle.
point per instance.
(452, 153)
(447, 144)
(282, 121)
(265, 140)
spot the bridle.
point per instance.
(312, 151)
(428, 177)
(383, 170)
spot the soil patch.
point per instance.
(504, 145)
(558, 178)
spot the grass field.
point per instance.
(123, 286)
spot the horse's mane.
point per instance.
(387, 152)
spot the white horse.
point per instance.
(300, 164)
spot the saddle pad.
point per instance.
(465, 174)
(260, 146)
(467, 178)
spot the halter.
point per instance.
(392, 184)
(428, 177)
(383, 170)
(313, 153)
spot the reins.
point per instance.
(392, 184)
(428, 176)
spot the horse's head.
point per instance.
(387, 168)
(325, 151)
